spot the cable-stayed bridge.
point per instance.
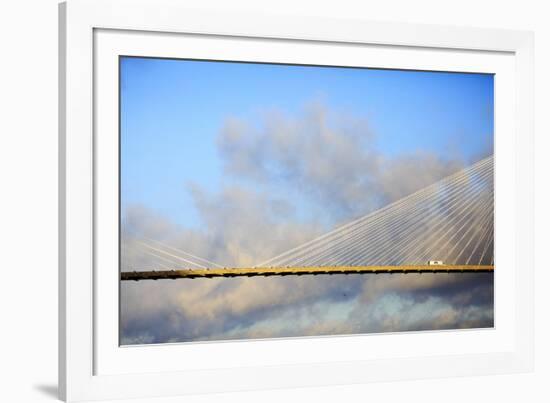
(445, 227)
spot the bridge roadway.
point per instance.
(298, 271)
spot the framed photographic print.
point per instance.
(276, 202)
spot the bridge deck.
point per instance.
(298, 271)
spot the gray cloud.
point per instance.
(262, 307)
(332, 160)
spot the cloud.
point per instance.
(330, 159)
(419, 284)
(235, 309)
(287, 180)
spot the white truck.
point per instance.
(435, 263)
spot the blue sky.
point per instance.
(172, 112)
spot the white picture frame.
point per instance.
(93, 366)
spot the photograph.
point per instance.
(271, 200)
